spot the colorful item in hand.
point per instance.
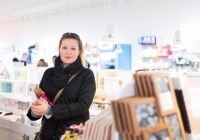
(41, 94)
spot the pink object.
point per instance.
(81, 127)
(74, 126)
(43, 96)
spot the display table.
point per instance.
(10, 130)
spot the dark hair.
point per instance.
(75, 36)
(42, 60)
(15, 60)
(54, 56)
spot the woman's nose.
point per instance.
(68, 51)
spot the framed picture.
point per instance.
(6, 87)
(176, 126)
(20, 88)
(144, 114)
(161, 132)
(20, 74)
(164, 92)
(31, 93)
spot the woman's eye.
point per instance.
(73, 49)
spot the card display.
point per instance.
(39, 73)
(6, 87)
(161, 132)
(13, 103)
(152, 114)
(147, 115)
(20, 87)
(100, 127)
(164, 92)
(5, 73)
(31, 93)
(161, 135)
(140, 113)
(166, 99)
(187, 91)
(175, 126)
(22, 75)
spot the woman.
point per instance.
(73, 104)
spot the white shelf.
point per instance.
(10, 129)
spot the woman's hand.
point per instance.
(39, 107)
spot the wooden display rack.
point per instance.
(153, 110)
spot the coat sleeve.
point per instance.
(82, 104)
(40, 85)
(31, 117)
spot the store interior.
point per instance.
(146, 35)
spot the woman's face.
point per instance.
(69, 51)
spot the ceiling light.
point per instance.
(109, 37)
(118, 49)
(13, 51)
(177, 39)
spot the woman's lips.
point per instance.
(67, 57)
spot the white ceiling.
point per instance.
(19, 8)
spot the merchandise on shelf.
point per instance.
(74, 132)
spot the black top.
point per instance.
(72, 107)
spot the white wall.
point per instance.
(132, 20)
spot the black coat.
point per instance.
(72, 107)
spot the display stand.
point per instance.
(10, 130)
(187, 91)
(101, 126)
(147, 115)
(126, 91)
(16, 85)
